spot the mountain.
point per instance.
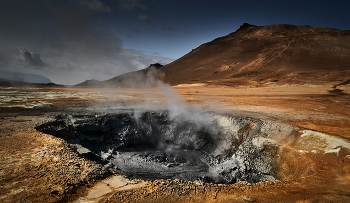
(147, 77)
(263, 55)
(16, 83)
(24, 77)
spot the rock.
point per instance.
(55, 192)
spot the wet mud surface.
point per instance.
(152, 145)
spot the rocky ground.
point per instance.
(37, 167)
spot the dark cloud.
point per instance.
(131, 5)
(95, 5)
(64, 29)
(3, 59)
(168, 28)
(137, 30)
(31, 58)
(18, 16)
(73, 37)
(145, 19)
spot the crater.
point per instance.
(192, 145)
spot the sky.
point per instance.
(70, 41)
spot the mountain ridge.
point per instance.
(147, 77)
(254, 56)
(261, 55)
(24, 77)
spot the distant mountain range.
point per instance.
(23, 77)
(9, 78)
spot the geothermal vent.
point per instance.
(190, 146)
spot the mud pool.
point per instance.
(192, 145)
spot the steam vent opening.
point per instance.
(206, 146)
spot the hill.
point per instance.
(16, 83)
(24, 77)
(147, 77)
(264, 55)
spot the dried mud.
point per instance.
(313, 167)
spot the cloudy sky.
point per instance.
(70, 41)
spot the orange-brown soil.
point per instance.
(36, 167)
(263, 55)
(313, 108)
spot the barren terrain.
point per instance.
(267, 120)
(37, 167)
